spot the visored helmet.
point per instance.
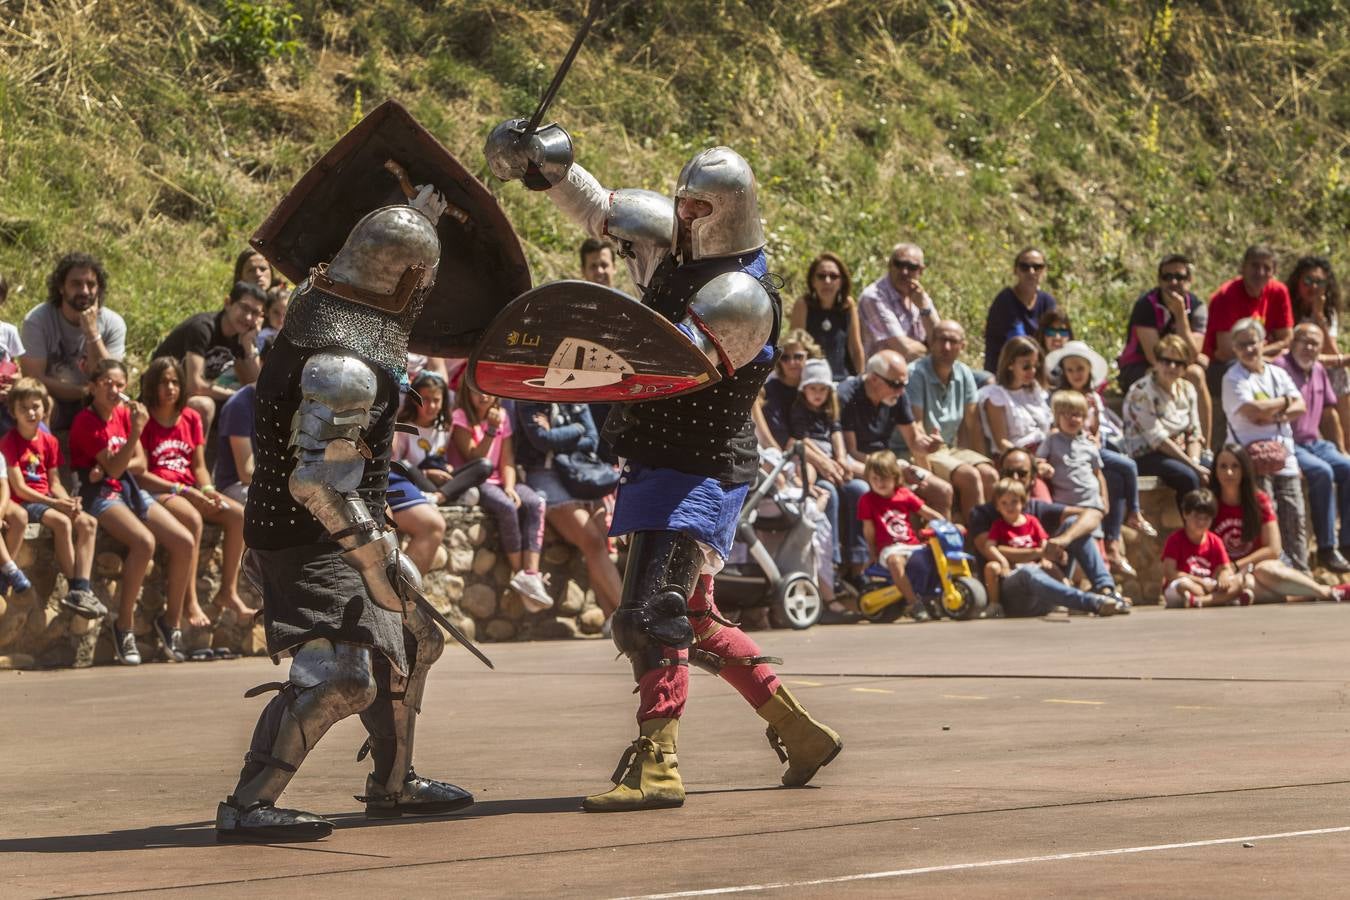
(391, 254)
(722, 177)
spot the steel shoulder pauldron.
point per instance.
(731, 316)
(337, 392)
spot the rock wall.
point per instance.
(468, 583)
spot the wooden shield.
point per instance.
(482, 266)
(577, 342)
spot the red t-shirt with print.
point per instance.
(890, 516)
(168, 451)
(1230, 303)
(1228, 526)
(90, 436)
(1027, 535)
(1203, 560)
(35, 458)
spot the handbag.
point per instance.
(1268, 457)
(585, 475)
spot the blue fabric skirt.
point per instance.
(652, 499)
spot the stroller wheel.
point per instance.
(798, 604)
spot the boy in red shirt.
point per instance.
(1196, 568)
(34, 454)
(884, 512)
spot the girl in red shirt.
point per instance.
(1245, 521)
(176, 476)
(105, 451)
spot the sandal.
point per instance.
(224, 653)
(205, 654)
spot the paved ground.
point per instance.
(1130, 757)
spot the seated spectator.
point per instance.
(1246, 524)
(235, 437)
(1256, 294)
(106, 452)
(1169, 308)
(770, 412)
(942, 397)
(1316, 298)
(1196, 568)
(274, 315)
(895, 311)
(1260, 400)
(252, 267)
(1022, 576)
(884, 512)
(1325, 467)
(1076, 477)
(1070, 529)
(1014, 408)
(175, 474)
(550, 429)
(874, 410)
(813, 421)
(421, 460)
(70, 334)
(208, 344)
(828, 312)
(11, 348)
(1017, 310)
(1162, 421)
(33, 484)
(481, 429)
(597, 261)
(1053, 331)
(1077, 367)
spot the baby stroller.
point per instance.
(774, 559)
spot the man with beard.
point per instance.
(699, 262)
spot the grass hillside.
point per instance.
(158, 133)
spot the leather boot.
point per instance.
(799, 740)
(648, 776)
(419, 797)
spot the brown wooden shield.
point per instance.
(577, 342)
(482, 265)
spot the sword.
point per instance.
(420, 600)
(547, 99)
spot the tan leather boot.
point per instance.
(648, 776)
(799, 740)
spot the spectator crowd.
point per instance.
(1235, 404)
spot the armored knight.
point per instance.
(689, 459)
(335, 586)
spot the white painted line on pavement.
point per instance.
(871, 691)
(1078, 702)
(963, 697)
(987, 864)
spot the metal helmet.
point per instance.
(723, 178)
(389, 255)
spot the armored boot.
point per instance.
(417, 796)
(262, 822)
(799, 740)
(648, 776)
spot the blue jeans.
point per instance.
(1032, 591)
(1328, 474)
(852, 542)
(832, 515)
(1177, 475)
(1122, 491)
(1084, 552)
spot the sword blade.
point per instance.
(426, 607)
(547, 99)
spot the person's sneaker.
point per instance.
(1332, 560)
(530, 587)
(172, 639)
(84, 603)
(918, 612)
(1191, 601)
(18, 581)
(124, 644)
(1341, 593)
(1246, 598)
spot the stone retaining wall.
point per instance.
(468, 584)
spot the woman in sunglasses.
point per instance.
(1317, 299)
(828, 312)
(1053, 331)
(1162, 421)
(1017, 310)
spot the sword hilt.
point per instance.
(405, 184)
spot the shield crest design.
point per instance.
(577, 342)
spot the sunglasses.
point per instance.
(828, 276)
(1030, 267)
(1058, 332)
(1175, 276)
(794, 357)
(905, 265)
(1246, 345)
(895, 385)
(1169, 361)
(1019, 474)
(1309, 281)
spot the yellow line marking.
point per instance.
(1195, 707)
(1078, 702)
(963, 697)
(871, 691)
(807, 683)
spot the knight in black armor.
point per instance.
(689, 459)
(335, 587)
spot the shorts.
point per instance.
(546, 482)
(945, 462)
(106, 500)
(904, 550)
(402, 493)
(1172, 595)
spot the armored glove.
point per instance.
(386, 570)
(540, 160)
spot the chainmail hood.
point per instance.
(317, 319)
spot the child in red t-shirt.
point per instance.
(1196, 568)
(176, 476)
(884, 512)
(34, 455)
